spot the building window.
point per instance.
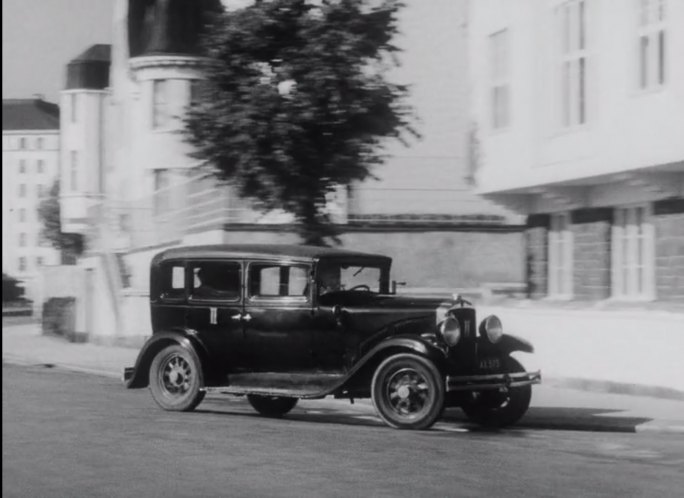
(22, 166)
(162, 194)
(572, 21)
(633, 253)
(22, 190)
(73, 171)
(160, 116)
(652, 43)
(39, 261)
(22, 143)
(560, 256)
(22, 215)
(73, 107)
(198, 91)
(40, 166)
(22, 240)
(39, 143)
(40, 190)
(22, 264)
(499, 79)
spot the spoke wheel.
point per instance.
(175, 379)
(496, 409)
(408, 392)
(271, 406)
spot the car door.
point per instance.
(215, 306)
(278, 316)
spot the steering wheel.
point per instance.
(360, 286)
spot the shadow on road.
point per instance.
(551, 418)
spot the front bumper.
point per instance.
(491, 381)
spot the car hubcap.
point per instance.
(176, 376)
(408, 392)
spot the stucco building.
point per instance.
(580, 105)
(30, 165)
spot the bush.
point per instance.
(59, 317)
(12, 289)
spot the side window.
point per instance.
(278, 281)
(172, 281)
(216, 280)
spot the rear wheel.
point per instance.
(176, 379)
(408, 392)
(497, 409)
(271, 406)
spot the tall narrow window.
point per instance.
(73, 171)
(73, 107)
(40, 166)
(633, 253)
(572, 23)
(652, 43)
(39, 143)
(159, 104)
(22, 264)
(22, 240)
(22, 143)
(162, 195)
(560, 256)
(22, 190)
(499, 79)
(22, 166)
(198, 90)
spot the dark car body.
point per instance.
(292, 322)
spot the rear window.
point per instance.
(172, 281)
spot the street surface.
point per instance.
(69, 434)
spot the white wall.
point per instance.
(627, 128)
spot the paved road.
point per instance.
(68, 434)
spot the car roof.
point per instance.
(259, 251)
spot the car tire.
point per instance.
(494, 409)
(176, 379)
(408, 392)
(271, 406)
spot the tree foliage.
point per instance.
(11, 289)
(298, 102)
(70, 245)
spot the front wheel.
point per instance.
(176, 379)
(408, 392)
(496, 409)
(271, 406)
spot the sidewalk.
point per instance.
(553, 406)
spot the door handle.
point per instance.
(247, 317)
(236, 317)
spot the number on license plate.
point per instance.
(489, 363)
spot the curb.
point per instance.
(18, 360)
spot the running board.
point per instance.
(302, 385)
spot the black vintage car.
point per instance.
(283, 323)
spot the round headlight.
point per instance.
(450, 330)
(491, 328)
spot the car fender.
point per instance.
(186, 338)
(509, 343)
(365, 367)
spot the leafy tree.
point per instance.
(70, 245)
(11, 289)
(298, 103)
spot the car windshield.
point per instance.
(335, 277)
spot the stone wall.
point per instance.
(668, 221)
(537, 254)
(591, 230)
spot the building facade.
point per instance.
(580, 106)
(30, 165)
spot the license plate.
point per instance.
(489, 363)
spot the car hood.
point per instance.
(367, 312)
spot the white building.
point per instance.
(30, 165)
(581, 111)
